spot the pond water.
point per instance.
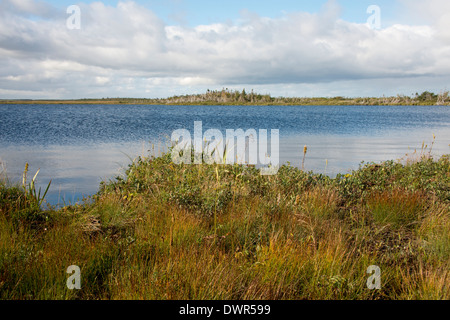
(78, 146)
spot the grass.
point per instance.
(169, 231)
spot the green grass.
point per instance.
(169, 231)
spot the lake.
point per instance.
(78, 146)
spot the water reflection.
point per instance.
(76, 171)
(341, 154)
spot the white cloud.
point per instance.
(116, 44)
(28, 7)
(433, 12)
(102, 80)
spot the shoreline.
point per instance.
(237, 98)
(118, 102)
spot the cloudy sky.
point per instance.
(162, 48)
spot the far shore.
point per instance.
(242, 98)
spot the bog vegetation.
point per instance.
(235, 97)
(166, 231)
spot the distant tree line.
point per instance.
(238, 97)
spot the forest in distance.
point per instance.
(237, 97)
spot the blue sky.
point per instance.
(196, 12)
(162, 48)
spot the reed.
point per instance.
(305, 149)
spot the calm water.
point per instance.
(77, 146)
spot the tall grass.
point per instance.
(169, 231)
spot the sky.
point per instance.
(156, 49)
